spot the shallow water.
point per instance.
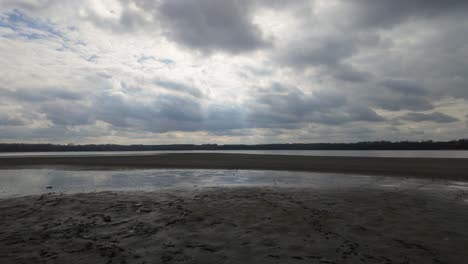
(36, 181)
(345, 153)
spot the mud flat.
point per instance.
(450, 168)
(236, 225)
(373, 222)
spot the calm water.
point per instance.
(36, 181)
(348, 153)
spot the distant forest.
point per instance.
(461, 144)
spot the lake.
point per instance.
(346, 153)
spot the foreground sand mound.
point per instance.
(235, 225)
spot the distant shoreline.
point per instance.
(441, 168)
(461, 144)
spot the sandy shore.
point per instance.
(455, 169)
(241, 224)
(235, 225)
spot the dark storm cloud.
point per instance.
(397, 103)
(404, 87)
(290, 107)
(67, 113)
(50, 134)
(383, 13)
(397, 95)
(179, 87)
(60, 106)
(220, 119)
(167, 113)
(209, 25)
(359, 24)
(179, 108)
(10, 121)
(275, 107)
(328, 50)
(161, 113)
(180, 111)
(203, 25)
(363, 113)
(136, 111)
(436, 117)
(348, 73)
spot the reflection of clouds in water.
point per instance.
(25, 182)
(100, 179)
(20, 182)
(408, 184)
(70, 182)
(459, 183)
(456, 185)
(389, 185)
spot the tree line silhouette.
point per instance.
(461, 144)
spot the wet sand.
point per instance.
(455, 169)
(245, 224)
(236, 225)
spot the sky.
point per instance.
(232, 71)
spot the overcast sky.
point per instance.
(232, 71)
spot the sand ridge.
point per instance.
(443, 168)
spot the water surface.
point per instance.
(37, 181)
